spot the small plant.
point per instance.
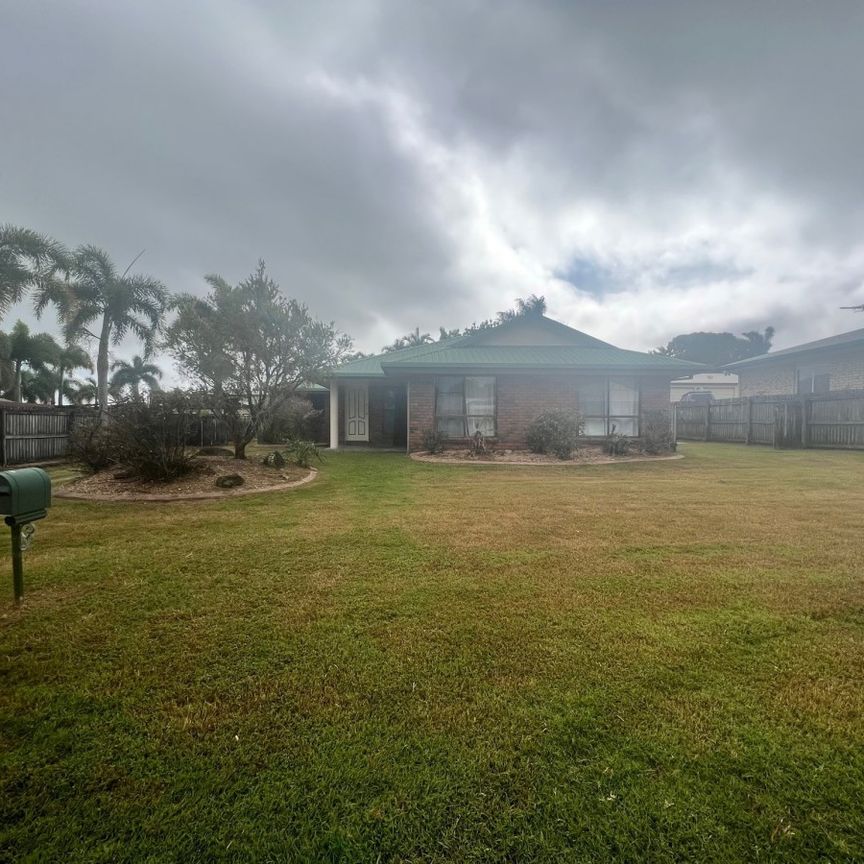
(555, 432)
(656, 431)
(274, 459)
(616, 444)
(433, 442)
(477, 445)
(302, 453)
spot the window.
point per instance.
(604, 403)
(813, 379)
(464, 406)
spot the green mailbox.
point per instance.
(25, 496)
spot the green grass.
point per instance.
(414, 662)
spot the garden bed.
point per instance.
(587, 455)
(200, 483)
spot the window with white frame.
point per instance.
(605, 403)
(465, 405)
(813, 379)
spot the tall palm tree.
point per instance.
(21, 348)
(117, 303)
(30, 261)
(134, 374)
(69, 358)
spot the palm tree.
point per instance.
(30, 261)
(71, 357)
(39, 386)
(20, 348)
(134, 374)
(83, 392)
(118, 303)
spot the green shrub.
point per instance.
(302, 453)
(92, 444)
(616, 444)
(296, 419)
(433, 442)
(656, 432)
(555, 432)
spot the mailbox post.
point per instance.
(25, 496)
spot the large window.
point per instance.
(813, 379)
(464, 406)
(608, 402)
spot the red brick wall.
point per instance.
(520, 399)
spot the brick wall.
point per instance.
(778, 378)
(519, 400)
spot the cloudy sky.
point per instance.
(651, 168)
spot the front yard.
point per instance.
(415, 662)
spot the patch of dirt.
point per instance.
(198, 483)
(589, 454)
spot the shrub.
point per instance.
(477, 445)
(555, 432)
(657, 434)
(302, 453)
(616, 444)
(149, 435)
(274, 460)
(296, 419)
(91, 444)
(433, 442)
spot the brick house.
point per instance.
(835, 363)
(496, 381)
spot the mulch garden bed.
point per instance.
(200, 483)
(586, 455)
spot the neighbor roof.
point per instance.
(465, 352)
(852, 339)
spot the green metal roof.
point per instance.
(470, 352)
(851, 339)
(539, 357)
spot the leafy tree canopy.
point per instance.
(718, 349)
(248, 348)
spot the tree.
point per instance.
(21, 348)
(134, 374)
(249, 348)
(30, 261)
(69, 358)
(718, 349)
(118, 303)
(415, 337)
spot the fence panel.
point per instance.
(33, 435)
(833, 420)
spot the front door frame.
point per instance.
(360, 418)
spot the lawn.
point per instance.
(414, 662)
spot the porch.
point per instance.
(368, 414)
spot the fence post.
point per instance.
(3, 436)
(708, 422)
(805, 421)
(748, 431)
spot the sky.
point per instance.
(651, 168)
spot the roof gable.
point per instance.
(529, 343)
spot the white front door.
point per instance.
(356, 412)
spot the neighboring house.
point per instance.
(721, 385)
(496, 381)
(835, 363)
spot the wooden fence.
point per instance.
(40, 433)
(831, 420)
(32, 433)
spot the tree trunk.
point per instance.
(102, 364)
(16, 390)
(240, 449)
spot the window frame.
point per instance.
(811, 374)
(464, 416)
(607, 418)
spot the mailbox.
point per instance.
(25, 495)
